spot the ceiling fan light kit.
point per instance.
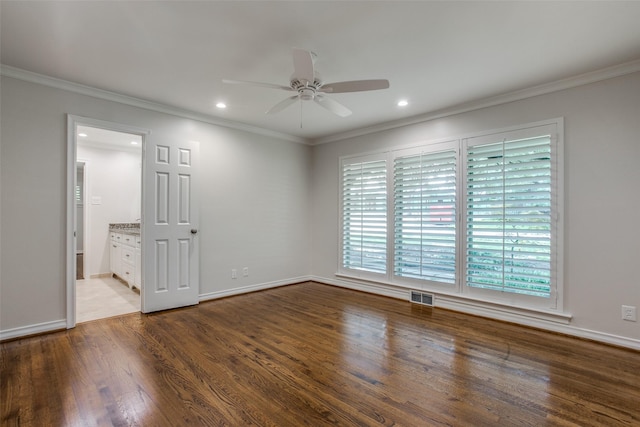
(307, 83)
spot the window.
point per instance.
(364, 215)
(478, 217)
(425, 216)
(509, 229)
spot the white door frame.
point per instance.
(86, 238)
(73, 122)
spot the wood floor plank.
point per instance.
(314, 355)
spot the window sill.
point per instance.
(463, 303)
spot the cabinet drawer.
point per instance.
(128, 254)
(128, 272)
(129, 240)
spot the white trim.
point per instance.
(556, 86)
(377, 289)
(401, 291)
(501, 312)
(29, 76)
(100, 275)
(38, 328)
(86, 211)
(252, 288)
(103, 124)
(70, 223)
(372, 287)
(560, 202)
(552, 322)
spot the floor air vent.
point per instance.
(422, 298)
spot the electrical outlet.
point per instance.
(245, 271)
(629, 313)
(234, 273)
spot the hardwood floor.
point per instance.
(315, 355)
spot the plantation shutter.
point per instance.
(508, 216)
(425, 216)
(364, 216)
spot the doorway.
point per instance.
(168, 226)
(106, 190)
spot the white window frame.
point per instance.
(554, 129)
(438, 147)
(360, 273)
(555, 303)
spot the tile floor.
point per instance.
(104, 297)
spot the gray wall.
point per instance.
(601, 203)
(254, 197)
(272, 205)
(114, 176)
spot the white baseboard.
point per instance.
(559, 324)
(24, 331)
(471, 307)
(366, 286)
(100, 275)
(252, 288)
(39, 328)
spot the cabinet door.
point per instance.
(138, 276)
(115, 257)
(128, 270)
(127, 266)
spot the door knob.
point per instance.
(194, 231)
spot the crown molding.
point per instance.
(29, 76)
(568, 83)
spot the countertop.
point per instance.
(125, 227)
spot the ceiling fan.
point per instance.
(309, 86)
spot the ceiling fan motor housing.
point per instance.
(306, 90)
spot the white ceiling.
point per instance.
(105, 138)
(437, 55)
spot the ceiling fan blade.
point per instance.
(267, 85)
(303, 65)
(282, 105)
(334, 106)
(354, 86)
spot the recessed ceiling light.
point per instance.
(221, 105)
(84, 135)
(134, 142)
(403, 103)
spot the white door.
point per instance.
(169, 230)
